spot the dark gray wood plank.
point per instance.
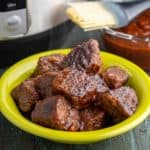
(13, 138)
(142, 135)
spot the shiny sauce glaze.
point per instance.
(140, 26)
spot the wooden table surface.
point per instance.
(12, 138)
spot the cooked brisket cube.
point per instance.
(80, 88)
(44, 83)
(93, 118)
(85, 57)
(26, 95)
(119, 103)
(73, 121)
(56, 112)
(115, 76)
(49, 63)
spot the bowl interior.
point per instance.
(139, 80)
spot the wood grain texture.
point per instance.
(12, 138)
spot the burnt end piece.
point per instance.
(51, 63)
(55, 112)
(26, 95)
(80, 88)
(43, 84)
(93, 118)
(120, 103)
(115, 76)
(85, 57)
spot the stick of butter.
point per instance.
(90, 15)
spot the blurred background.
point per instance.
(31, 26)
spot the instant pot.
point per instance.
(26, 27)
(21, 18)
(30, 26)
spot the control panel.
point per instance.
(13, 18)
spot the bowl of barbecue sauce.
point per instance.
(131, 41)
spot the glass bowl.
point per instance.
(136, 49)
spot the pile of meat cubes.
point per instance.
(75, 93)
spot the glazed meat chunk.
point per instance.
(44, 83)
(80, 88)
(119, 103)
(49, 63)
(55, 112)
(115, 76)
(26, 95)
(73, 121)
(85, 57)
(93, 118)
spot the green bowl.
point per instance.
(139, 80)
